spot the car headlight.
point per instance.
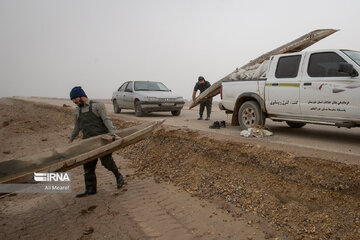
(150, 99)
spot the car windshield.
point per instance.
(150, 86)
(355, 56)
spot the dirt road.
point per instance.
(336, 144)
(182, 184)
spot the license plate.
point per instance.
(167, 104)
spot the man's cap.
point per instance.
(77, 92)
(201, 78)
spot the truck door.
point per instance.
(283, 85)
(326, 92)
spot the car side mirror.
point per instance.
(347, 68)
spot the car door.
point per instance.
(327, 93)
(129, 96)
(283, 85)
(119, 95)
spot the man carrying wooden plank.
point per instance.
(202, 85)
(91, 118)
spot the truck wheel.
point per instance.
(250, 114)
(295, 124)
(116, 107)
(138, 111)
(176, 112)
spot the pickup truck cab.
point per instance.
(320, 87)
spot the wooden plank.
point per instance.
(212, 91)
(135, 134)
(297, 45)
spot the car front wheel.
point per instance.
(138, 111)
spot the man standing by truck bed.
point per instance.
(91, 118)
(202, 85)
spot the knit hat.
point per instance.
(201, 78)
(77, 92)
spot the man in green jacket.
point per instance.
(91, 118)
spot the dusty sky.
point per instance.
(48, 46)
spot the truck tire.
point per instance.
(116, 107)
(250, 114)
(176, 112)
(295, 124)
(138, 111)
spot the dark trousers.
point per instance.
(206, 104)
(89, 171)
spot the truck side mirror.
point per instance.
(347, 68)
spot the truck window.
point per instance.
(325, 65)
(354, 55)
(288, 66)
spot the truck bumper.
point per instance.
(227, 111)
(221, 106)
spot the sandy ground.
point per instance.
(182, 183)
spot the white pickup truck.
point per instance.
(319, 87)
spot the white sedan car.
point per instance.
(145, 97)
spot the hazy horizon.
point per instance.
(47, 47)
